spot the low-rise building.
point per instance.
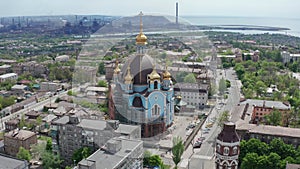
(118, 153)
(11, 124)
(7, 162)
(292, 166)
(8, 76)
(19, 90)
(288, 57)
(50, 86)
(193, 94)
(62, 58)
(17, 138)
(261, 108)
(5, 69)
(267, 133)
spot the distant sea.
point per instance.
(292, 23)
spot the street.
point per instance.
(207, 150)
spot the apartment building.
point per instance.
(70, 133)
(193, 94)
(118, 153)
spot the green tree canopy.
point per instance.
(223, 118)
(190, 78)
(177, 149)
(81, 153)
(24, 154)
(274, 118)
(102, 83)
(50, 160)
(222, 86)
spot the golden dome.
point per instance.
(178, 97)
(117, 69)
(141, 39)
(128, 77)
(167, 74)
(154, 75)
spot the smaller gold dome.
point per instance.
(141, 39)
(128, 77)
(117, 69)
(179, 97)
(167, 75)
(154, 75)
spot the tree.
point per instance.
(50, 160)
(37, 150)
(222, 85)
(81, 153)
(283, 150)
(151, 160)
(22, 122)
(177, 150)
(240, 70)
(180, 76)
(190, 78)
(101, 68)
(49, 145)
(24, 154)
(102, 83)
(250, 161)
(274, 118)
(223, 118)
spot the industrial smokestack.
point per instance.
(176, 12)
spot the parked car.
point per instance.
(201, 139)
(197, 144)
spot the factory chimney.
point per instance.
(176, 12)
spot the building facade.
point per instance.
(15, 139)
(267, 133)
(118, 153)
(141, 93)
(8, 76)
(288, 57)
(227, 148)
(70, 133)
(193, 94)
(261, 108)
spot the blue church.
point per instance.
(141, 93)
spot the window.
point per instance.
(137, 102)
(218, 148)
(155, 85)
(156, 110)
(235, 150)
(226, 151)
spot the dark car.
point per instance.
(197, 144)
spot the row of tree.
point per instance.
(255, 154)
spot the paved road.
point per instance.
(207, 149)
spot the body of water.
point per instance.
(292, 24)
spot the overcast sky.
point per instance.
(256, 8)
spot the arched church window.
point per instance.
(226, 150)
(156, 110)
(235, 150)
(218, 148)
(155, 84)
(137, 102)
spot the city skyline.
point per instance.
(254, 8)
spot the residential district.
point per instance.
(133, 96)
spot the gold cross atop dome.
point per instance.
(141, 38)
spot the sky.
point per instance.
(249, 8)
